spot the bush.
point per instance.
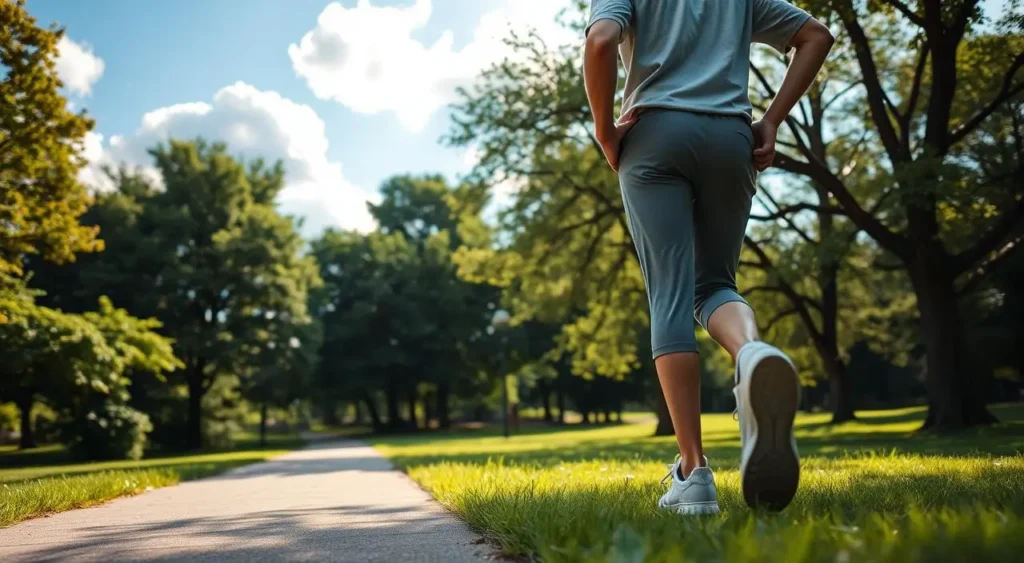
(108, 432)
(219, 433)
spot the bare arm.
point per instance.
(812, 43)
(600, 74)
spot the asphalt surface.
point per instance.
(334, 501)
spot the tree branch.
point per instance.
(875, 91)
(784, 211)
(774, 320)
(892, 107)
(841, 93)
(1007, 91)
(867, 222)
(990, 240)
(799, 302)
(983, 270)
(784, 214)
(911, 15)
(915, 94)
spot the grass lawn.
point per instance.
(46, 480)
(870, 490)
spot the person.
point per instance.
(687, 154)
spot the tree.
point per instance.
(397, 320)
(40, 149)
(44, 349)
(371, 318)
(944, 197)
(437, 220)
(209, 255)
(283, 358)
(75, 362)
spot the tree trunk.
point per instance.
(394, 419)
(331, 413)
(263, 424)
(371, 409)
(664, 427)
(28, 434)
(840, 401)
(444, 420)
(560, 403)
(429, 403)
(955, 400)
(194, 428)
(545, 397)
(412, 410)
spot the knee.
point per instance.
(708, 300)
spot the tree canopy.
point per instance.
(41, 199)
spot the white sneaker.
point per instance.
(767, 395)
(695, 495)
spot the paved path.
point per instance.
(336, 501)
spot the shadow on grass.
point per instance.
(871, 434)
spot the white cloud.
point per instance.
(253, 123)
(77, 66)
(367, 59)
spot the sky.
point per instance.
(346, 93)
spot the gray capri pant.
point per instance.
(687, 182)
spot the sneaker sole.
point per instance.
(694, 508)
(772, 472)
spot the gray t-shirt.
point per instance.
(694, 55)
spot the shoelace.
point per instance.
(671, 469)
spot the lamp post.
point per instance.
(500, 322)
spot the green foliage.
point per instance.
(395, 315)
(211, 257)
(40, 149)
(81, 364)
(61, 354)
(108, 432)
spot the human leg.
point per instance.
(658, 198)
(767, 386)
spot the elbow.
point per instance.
(828, 38)
(823, 35)
(603, 38)
(814, 33)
